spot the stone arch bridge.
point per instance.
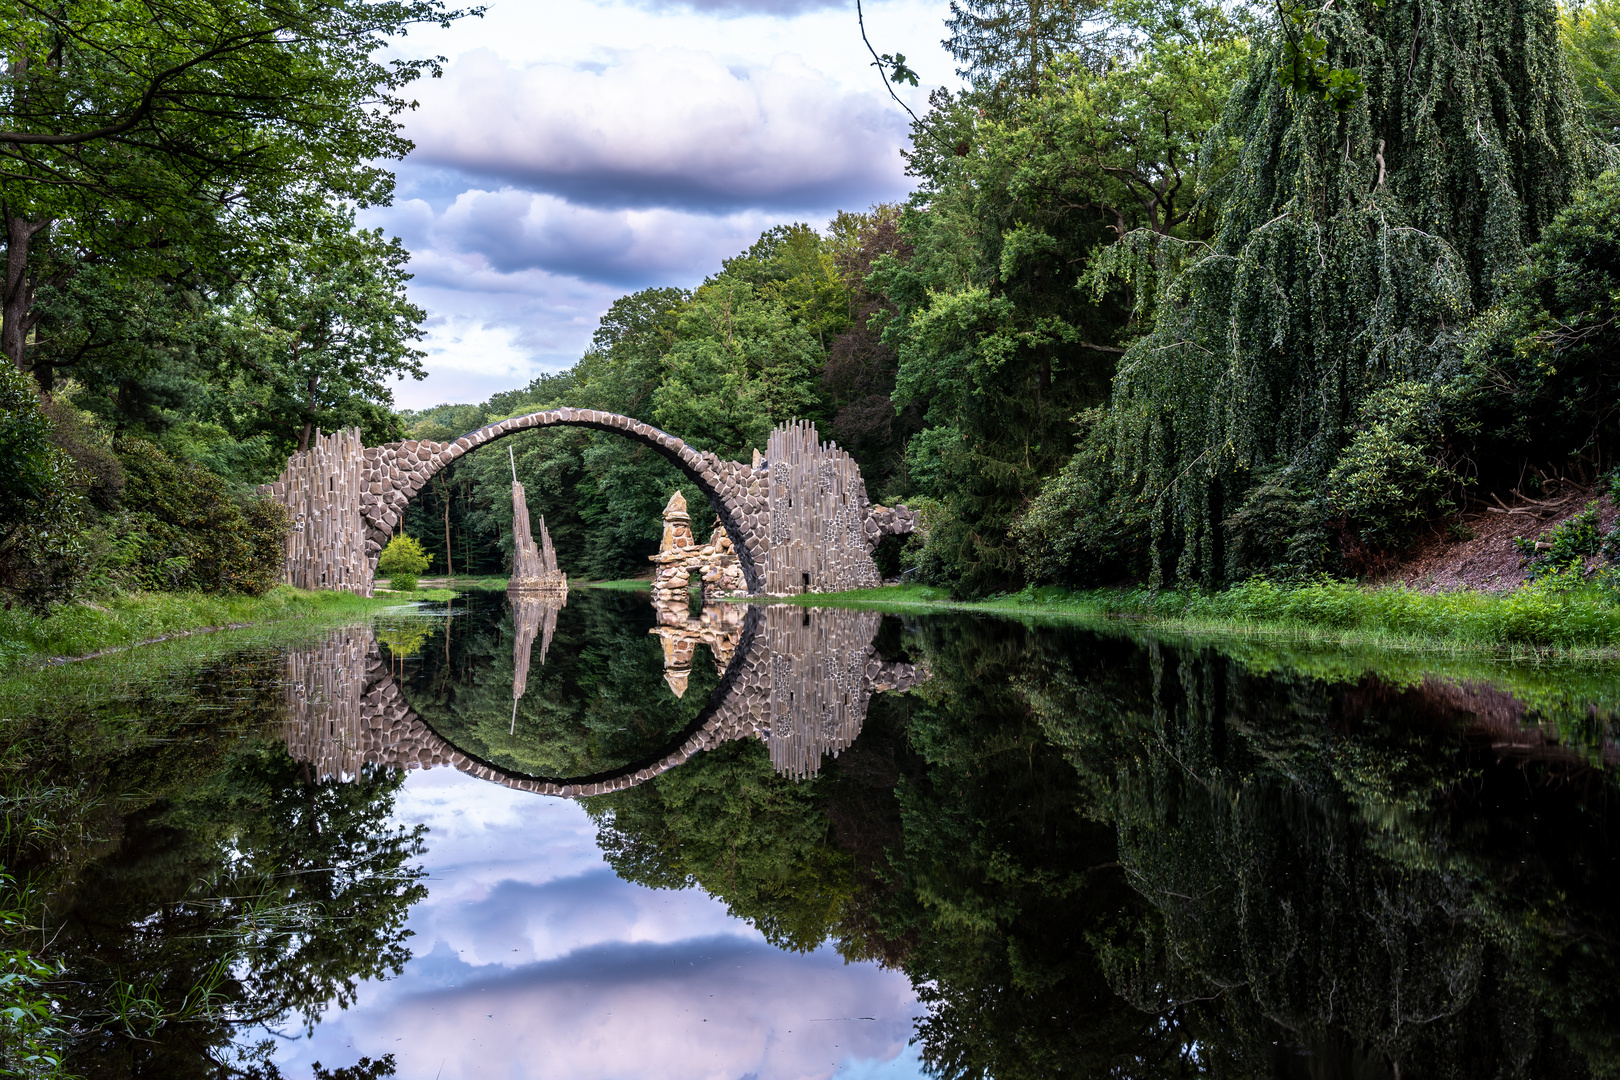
(798, 516)
(799, 680)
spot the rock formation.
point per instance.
(534, 569)
(679, 556)
(799, 517)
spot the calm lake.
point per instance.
(592, 840)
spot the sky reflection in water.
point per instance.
(1236, 857)
(531, 959)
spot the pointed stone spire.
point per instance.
(677, 526)
(533, 567)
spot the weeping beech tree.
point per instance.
(1358, 230)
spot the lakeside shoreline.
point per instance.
(1550, 620)
(86, 630)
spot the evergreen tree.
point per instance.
(1005, 45)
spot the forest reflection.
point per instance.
(1101, 856)
(1097, 854)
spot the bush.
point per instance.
(1547, 356)
(1281, 525)
(1394, 476)
(1567, 544)
(181, 529)
(42, 506)
(1083, 528)
(402, 561)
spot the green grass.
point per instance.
(84, 628)
(1553, 615)
(623, 584)
(461, 583)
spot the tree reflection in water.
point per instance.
(197, 883)
(1098, 857)
(1093, 855)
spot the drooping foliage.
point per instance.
(1352, 244)
(997, 347)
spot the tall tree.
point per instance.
(136, 125)
(1357, 231)
(1004, 46)
(328, 322)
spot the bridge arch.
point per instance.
(798, 517)
(396, 472)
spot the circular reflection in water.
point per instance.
(593, 696)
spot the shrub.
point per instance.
(180, 528)
(1083, 528)
(41, 501)
(1281, 524)
(402, 561)
(1394, 476)
(1549, 352)
(1566, 544)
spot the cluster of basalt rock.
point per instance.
(534, 566)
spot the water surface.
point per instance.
(818, 843)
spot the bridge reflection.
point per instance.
(798, 679)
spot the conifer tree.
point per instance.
(1364, 222)
(1004, 45)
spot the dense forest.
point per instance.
(1185, 293)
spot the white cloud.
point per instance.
(579, 149)
(531, 959)
(665, 127)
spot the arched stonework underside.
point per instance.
(802, 524)
(800, 681)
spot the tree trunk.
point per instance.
(449, 572)
(17, 302)
(309, 420)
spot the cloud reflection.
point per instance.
(533, 960)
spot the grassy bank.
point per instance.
(85, 628)
(460, 583)
(1554, 614)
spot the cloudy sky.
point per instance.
(577, 150)
(532, 961)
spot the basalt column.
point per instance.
(534, 569)
(322, 491)
(818, 512)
